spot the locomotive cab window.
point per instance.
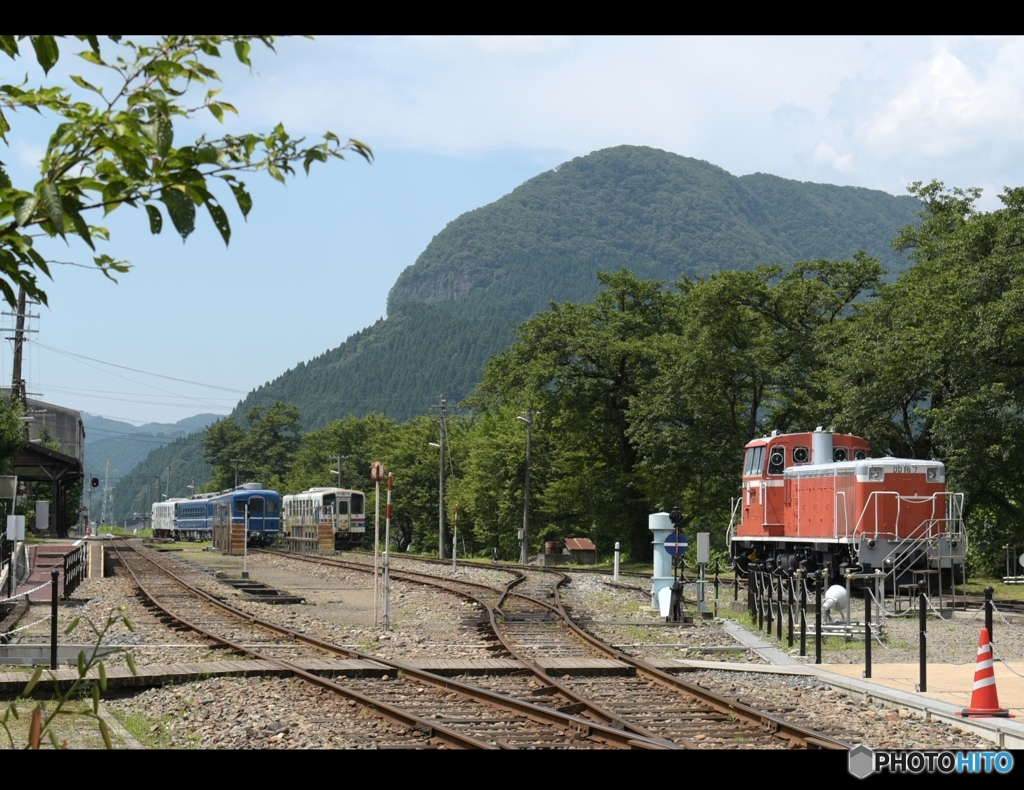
(342, 507)
(777, 461)
(839, 454)
(357, 503)
(801, 455)
(755, 461)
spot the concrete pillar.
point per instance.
(661, 526)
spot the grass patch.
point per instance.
(126, 533)
(977, 587)
(154, 733)
(78, 731)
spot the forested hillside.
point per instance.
(166, 471)
(125, 445)
(658, 214)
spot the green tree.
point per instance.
(222, 444)
(120, 148)
(271, 443)
(490, 492)
(583, 367)
(12, 431)
(935, 367)
(356, 439)
(263, 451)
(750, 357)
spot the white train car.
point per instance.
(163, 518)
(343, 509)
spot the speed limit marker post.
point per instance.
(376, 474)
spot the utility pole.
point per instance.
(105, 510)
(524, 555)
(17, 383)
(237, 461)
(339, 458)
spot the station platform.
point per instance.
(42, 559)
(949, 687)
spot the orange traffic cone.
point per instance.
(984, 699)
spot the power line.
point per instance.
(83, 390)
(134, 370)
(141, 383)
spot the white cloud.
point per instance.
(825, 154)
(949, 108)
(889, 110)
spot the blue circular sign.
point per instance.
(676, 544)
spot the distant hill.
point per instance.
(138, 489)
(657, 213)
(125, 445)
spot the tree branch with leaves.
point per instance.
(119, 149)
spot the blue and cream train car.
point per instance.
(194, 518)
(198, 516)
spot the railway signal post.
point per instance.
(376, 474)
(245, 543)
(385, 622)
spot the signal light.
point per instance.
(95, 482)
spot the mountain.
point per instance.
(125, 445)
(659, 214)
(175, 470)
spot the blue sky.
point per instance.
(455, 124)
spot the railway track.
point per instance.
(432, 710)
(529, 623)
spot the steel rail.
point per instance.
(773, 724)
(582, 704)
(547, 716)
(386, 711)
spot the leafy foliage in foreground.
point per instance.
(119, 148)
(42, 723)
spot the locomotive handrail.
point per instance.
(846, 517)
(730, 531)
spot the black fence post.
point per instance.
(769, 603)
(817, 616)
(867, 631)
(751, 584)
(803, 616)
(716, 588)
(922, 604)
(54, 575)
(736, 581)
(759, 602)
(789, 619)
(988, 613)
(778, 623)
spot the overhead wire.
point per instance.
(133, 370)
(133, 381)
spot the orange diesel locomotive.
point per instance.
(819, 500)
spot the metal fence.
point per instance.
(76, 568)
